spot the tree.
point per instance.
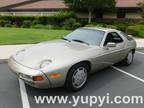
(90, 5)
(141, 4)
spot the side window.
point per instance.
(128, 37)
(108, 39)
(113, 37)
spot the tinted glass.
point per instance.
(113, 37)
(92, 37)
(128, 37)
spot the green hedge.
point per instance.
(68, 21)
(102, 25)
(20, 21)
(136, 30)
(2, 23)
(114, 25)
(61, 20)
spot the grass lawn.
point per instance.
(28, 36)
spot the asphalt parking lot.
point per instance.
(121, 80)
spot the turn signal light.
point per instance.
(55, 75)
(38, 78)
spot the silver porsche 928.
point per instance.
(69, 61)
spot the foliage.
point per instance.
(9, 25)
(71, 23)
(26, 24)
(121, 26)
(76, 25)
(90, 5)
(136, 30)
(141, 4)
(114, 25)
(35, 22)
(2, 23)
(55, 19)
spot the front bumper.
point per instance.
(26, 74)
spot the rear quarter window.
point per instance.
(125, 35)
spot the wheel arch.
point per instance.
(84, 61)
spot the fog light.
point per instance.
(38, 78)
(55, 75)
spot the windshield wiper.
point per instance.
(80, 41)
(66, 39)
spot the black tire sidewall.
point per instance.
(125, 62)
(68, 84)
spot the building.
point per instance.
(125, 9)
(31, 7)
(128, 9)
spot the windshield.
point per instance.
(89, 36)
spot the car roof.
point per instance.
(100, 28)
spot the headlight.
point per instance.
(45, 63)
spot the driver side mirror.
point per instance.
(111, 44)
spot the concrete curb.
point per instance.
(140, 48)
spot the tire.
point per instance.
(77, 77)
(129, 59)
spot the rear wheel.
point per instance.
(77, 77)
(129, 59)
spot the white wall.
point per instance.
(133, 15)
(109, 15)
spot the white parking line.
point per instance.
(131, 75)
(139, 52)
(24, 97)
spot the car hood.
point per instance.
(57, 51)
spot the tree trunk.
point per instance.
(89, 17)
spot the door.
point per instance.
(112, 55)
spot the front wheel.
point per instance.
(129, 59)
(77, 77)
